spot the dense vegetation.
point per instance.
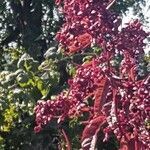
(35, 66)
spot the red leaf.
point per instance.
(83, 40)
(58, 2)
(132, 73)
(132, 144)
(100, 95)
(89, 135)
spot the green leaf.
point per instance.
(41, 86)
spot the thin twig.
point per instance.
(110, 4)
(75, 55)
(66, 139)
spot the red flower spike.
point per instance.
(119, 99)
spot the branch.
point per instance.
(66, 139)
(110, 4)
(75, 55)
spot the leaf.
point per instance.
(100, 95)
(51, 53)
(132, 73)
(27, 63)
(132, 144)
(97, 50)
(41, 86)
(89, 135)
(21, 61)
(83, 39)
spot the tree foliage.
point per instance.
(30, 24)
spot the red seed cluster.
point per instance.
(69, 103)
(90, 22)
(131, 39)
(130, 115)
(126, 105)
(87, 22)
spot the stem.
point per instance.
(66, 139)
(116, 114)
(136, 139)
(110, 4)
(75, 55)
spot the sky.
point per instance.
(146, 12)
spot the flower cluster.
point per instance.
(129, 114)
(90, 22)
(131, 39)
(70, 103)
(119, 99)
(87, 22)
